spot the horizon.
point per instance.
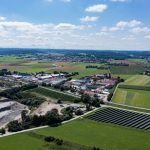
(70, 49)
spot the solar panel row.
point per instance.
(121, 117)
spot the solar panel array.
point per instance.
(121, 117)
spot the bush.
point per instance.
(59, 141)
(49, 139)
(96, 148)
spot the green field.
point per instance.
(127, 70)
(138, 98)
(105, 136)
(47, 92)
(135, 91)
(141, 80)
(23, 65)
(84, 132)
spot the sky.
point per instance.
(75, 24)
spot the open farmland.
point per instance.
(132, 97)
(103, 135)
(127, 70)
(23, 65)
(53, 94)
(134, 92)
(141, 80)
(32, 141)
(81, 131)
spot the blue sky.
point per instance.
(78, 24)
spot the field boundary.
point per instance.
(134, 87)
(139, 109)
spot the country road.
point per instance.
(23, 131)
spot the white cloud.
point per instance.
(67, 26)
(123, 25)
(2, 18)
(89, 19)
(67, 35)
(141, 30)
(147, 36)
(129, 38)
(97, 8)
(130, 24)
(119, 0)
(66, 0)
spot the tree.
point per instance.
(79, 112)
(52, 117)
(24, 115)
(88, 107)
(37, 120)
(2, 131)
(14, 126)
(110, 96)
(59, 101)
(85, 98)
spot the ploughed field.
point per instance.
(121, 117)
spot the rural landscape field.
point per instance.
(69, 105)
(74, 75)
(134, 92)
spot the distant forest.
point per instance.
(101, 54)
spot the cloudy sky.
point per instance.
(77, 24)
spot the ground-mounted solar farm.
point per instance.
(121, 117)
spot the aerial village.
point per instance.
(94, 86)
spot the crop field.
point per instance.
(131, 97)
(23, 65)
(14, 63)
(141, 80)
(53, 94)
(127, 70)
(121, 117)
(135, 91)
